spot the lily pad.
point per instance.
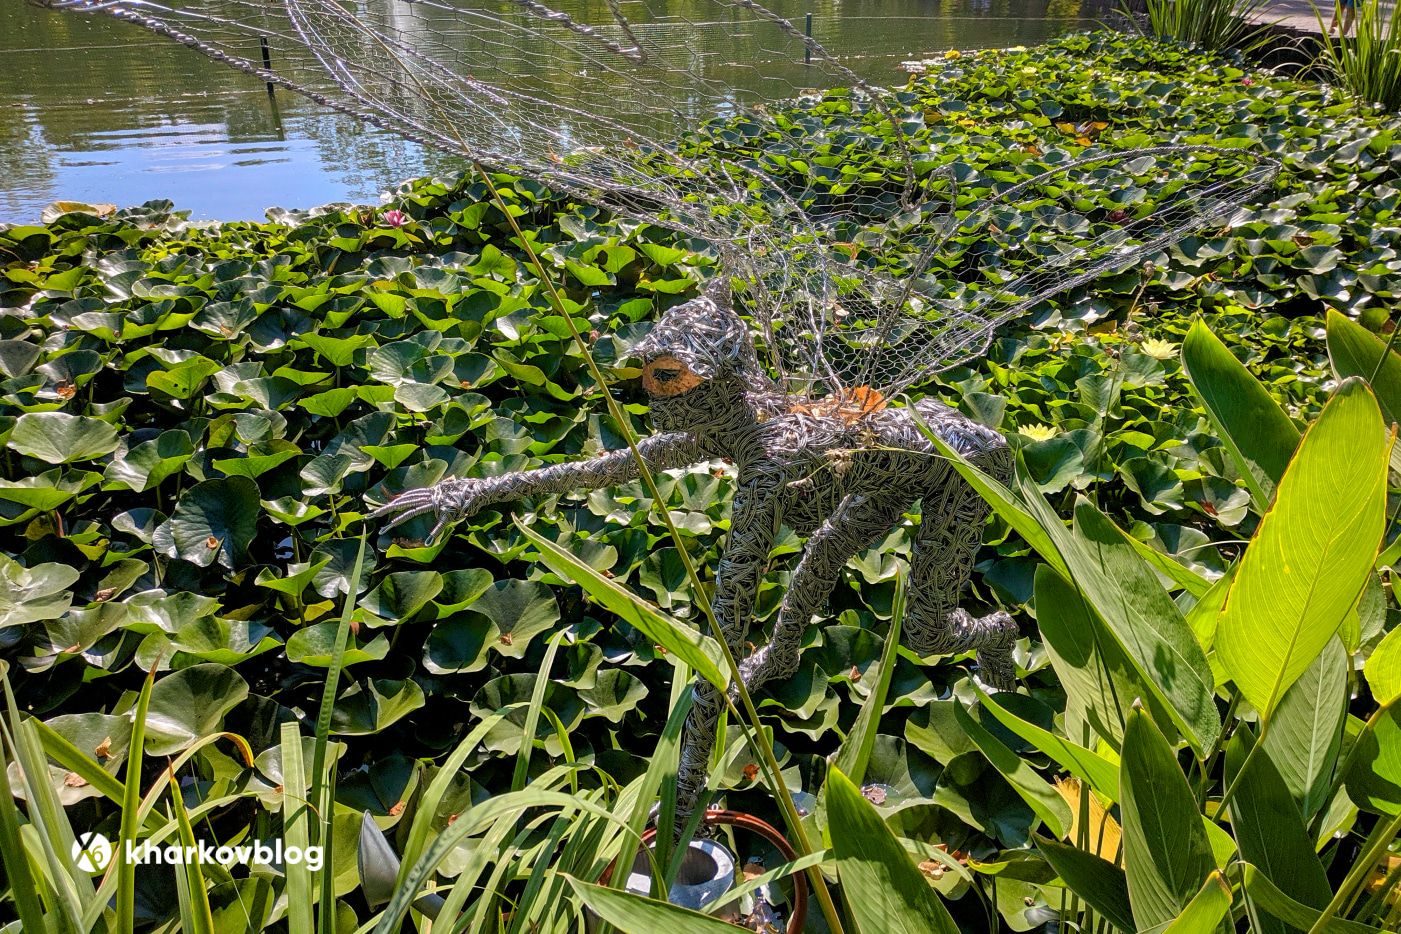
(60, 438)
(216, 520)
(190, 703)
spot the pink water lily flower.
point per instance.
(395, 218)
(1247, 82)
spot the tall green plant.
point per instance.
(1369, 63)
(1251, 798)
(1209, 24)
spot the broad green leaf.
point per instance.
(1384, 670)
(1205, 912)
(1088, 765)
(1166, 853)
(216, 519)
(613, 694)
(372, 705)
(1300, 917)
(1355, 351)
(1306, 731)
(261, 459)
(297, 578)
(60, 438)
(1270, 830)
(519, 611)
(1373, 777)
(1260, 437)
(1099, 882)
(637, 914)
(1146, 622)
(1043, 799)
(699, 651)
(1100, 681)
(146, 465)
(399, 596)
(889, 894)
(1313, 552)
(48, 490)
(337, 351)
(1206, 612)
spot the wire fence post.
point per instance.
(807, 49)
(267, 60)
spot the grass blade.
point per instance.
(532, 714)
(321, 787)
(855, 753)
(296, 831)
(196, 893)
(131, 802)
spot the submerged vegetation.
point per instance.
(206, 642)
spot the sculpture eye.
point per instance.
(668, 376)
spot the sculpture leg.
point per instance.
(950, 531)
(858, 523)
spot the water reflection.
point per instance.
(98, 110)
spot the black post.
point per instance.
(267, 60)
(807, 52)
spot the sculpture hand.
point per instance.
(450, 501)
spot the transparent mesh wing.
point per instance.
(710, 124)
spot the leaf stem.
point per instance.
(1357, 874)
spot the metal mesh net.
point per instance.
(847, 240)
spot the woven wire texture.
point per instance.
(853, 279)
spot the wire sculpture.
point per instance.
(856, 285)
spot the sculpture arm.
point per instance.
(454, 500)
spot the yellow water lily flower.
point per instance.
(1037, 432)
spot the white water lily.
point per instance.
(1159, 348)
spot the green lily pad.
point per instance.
(190, 703)
(370, 706)
(216, 520)
(60, 438)
(519, 611)
(613, 694)
(315, 646)
(48, 490)
(399, 596)
(144, 466)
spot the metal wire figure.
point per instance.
(842, 472)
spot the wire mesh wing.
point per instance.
(854, 278)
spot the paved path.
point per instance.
(1299, 14)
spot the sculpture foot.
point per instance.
(996, 667)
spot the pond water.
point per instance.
(102, 111)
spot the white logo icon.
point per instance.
(92, 852)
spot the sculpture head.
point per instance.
(698, 361)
